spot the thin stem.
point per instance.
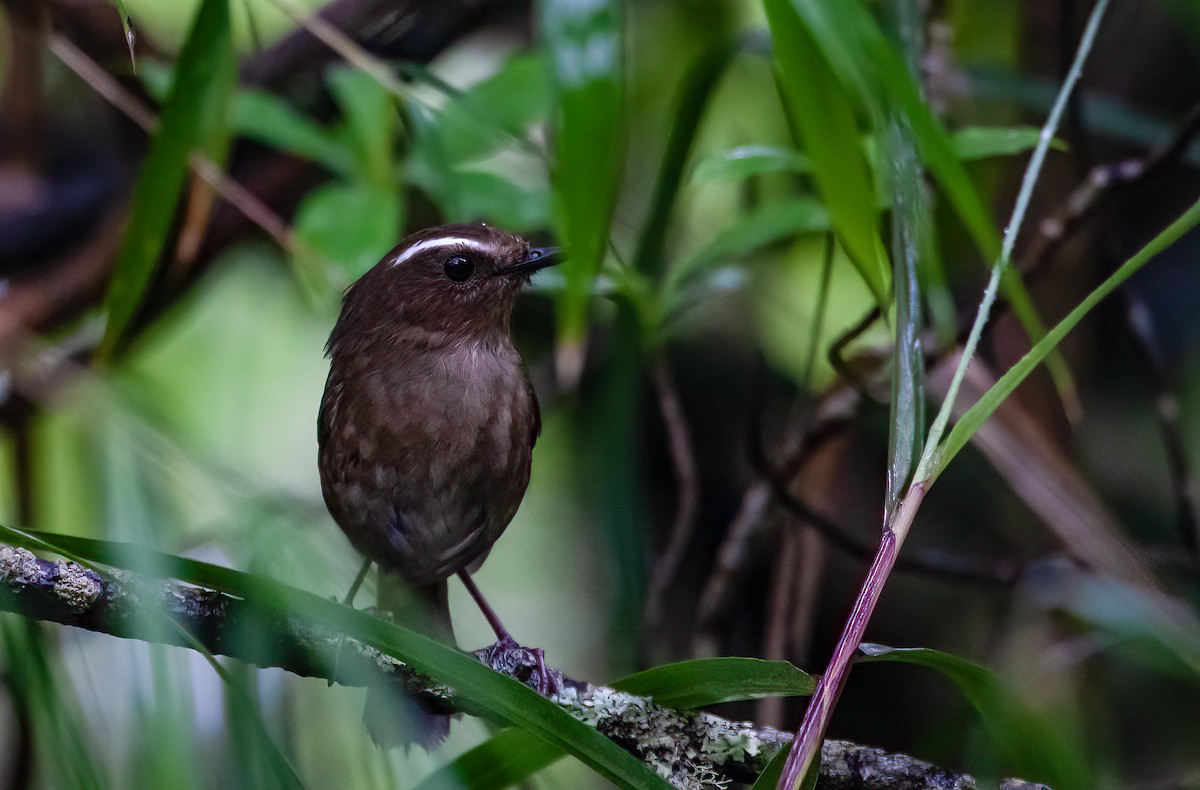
(809, 737)
(931, 456)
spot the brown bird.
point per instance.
(428, 422)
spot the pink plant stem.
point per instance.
(807, 744)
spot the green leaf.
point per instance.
(198, 104)
(268, 119)
(764, 225)
(970, 144)
(583, 42)
(504, 760)
(685, 685)
(985, 142)
(861, 55)
(750, 160)
(975, 416)
(824, 122)
(486, 692)
(1037, 747)
(369, 123)
(349, 225)
(494, 112)
(698, 86)
(512, 755)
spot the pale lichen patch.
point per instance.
(76, 587)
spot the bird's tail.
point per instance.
(393, 719)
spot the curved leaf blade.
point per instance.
(1036, 746)
(487, 692)
(194, 116)
(823, 119)
(975, 416)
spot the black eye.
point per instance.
(458, 268)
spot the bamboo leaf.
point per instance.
(975, 416)
(824, 122)
(489, 693)
(583, 41)
(1037, 747)
(198, 103)
(707, 681)
(512, 755)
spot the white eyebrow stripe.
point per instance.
(430, 244)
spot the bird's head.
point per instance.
(451, 283)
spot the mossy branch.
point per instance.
(694, 749)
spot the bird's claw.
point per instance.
(507, 654)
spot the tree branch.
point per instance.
(695, 749)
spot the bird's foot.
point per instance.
(526, 664)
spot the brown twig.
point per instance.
(1085, 200)
(687, 481)
(1166, 407)
(115, 94)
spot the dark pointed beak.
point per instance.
(536, 258)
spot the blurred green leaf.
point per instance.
(504, 760)
(984, 142)
(970, 144)
(750, 160)
(268, 119)
(583, 43)
(697, 89)
(349, 225)
(511, 756)
(494, 112)
(685, 685)
(198, 105)
(975, 416)
(370, 123)
(767, 224)
(489, 693)
(1038, 748)
(824, 121)
(862, 56)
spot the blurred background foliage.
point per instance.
(688, 340)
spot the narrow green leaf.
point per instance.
(370, 123)
(911, 242)
(767, 224)
(127, 29)
(583, 41)
(698, 86)
(975, 416)
(862, 56)
(823, 119)
(707, 681)
(487, 692)
(268, 119)
(512, 756)
(749, 160)
(985, 142)
(1037, 747)
(504, 760)
(199, 100)
(970, 144)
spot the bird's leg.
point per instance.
(347, 601)
(358, 580)
(504, 641)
